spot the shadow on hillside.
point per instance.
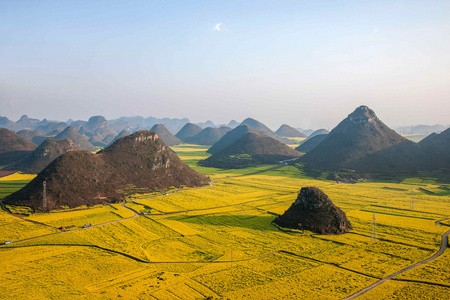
(263, 223)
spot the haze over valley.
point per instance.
(224, 149)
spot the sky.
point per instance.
(304, 63)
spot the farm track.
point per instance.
(135, 213)
(290, 253)
(31, 221)
(444, 244)
(444, 241)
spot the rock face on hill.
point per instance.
(72, 134)
(164, 134)
(208, 136)
(231, 137)
(140, 162)
(362, 142)
(264, 129)
(311, 143)
(188, 131)
(13, 146)
(250, 149)
(314, 211)
(288, 131)
(43, 155)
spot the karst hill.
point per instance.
(208, 136)
(362, 142)
(288, 131)
(264, 129)
(311, 143)
(140, 162)
(314, 211)
(231, 137)
(43, 155)
(250, 149)
(189, 130)
(164, 134)
(437, 149)
(13, 147)
(71, 133)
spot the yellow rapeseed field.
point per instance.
(218, 242)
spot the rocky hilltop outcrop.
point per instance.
(314, 211)
(137, 163)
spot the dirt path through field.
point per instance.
(135, 213)
(444, 244)
(444, 241)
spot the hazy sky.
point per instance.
(304, 63)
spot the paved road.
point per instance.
(136, 214)
(444, 244)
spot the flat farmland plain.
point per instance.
(218, 242)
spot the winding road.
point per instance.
(444, 244)
(444, 241)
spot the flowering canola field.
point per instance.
(218, 242)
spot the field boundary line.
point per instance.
(423, 281)
(444, 243)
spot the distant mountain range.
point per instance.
(361, 142)
(421, 129)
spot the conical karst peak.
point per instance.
(362, 114)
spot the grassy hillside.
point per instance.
(219, 242)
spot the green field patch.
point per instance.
(223, 244)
